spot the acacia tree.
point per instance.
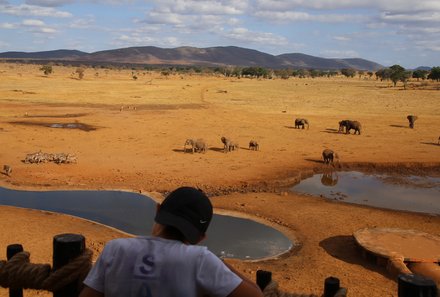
(348, 72)
(383, 74)
(398, 73)
(47, 69)
(435, 73)
(420, 74)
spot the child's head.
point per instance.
(188, 210)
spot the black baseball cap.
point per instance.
(188, 210)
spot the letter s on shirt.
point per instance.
(147, 267)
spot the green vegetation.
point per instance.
(435, 74)
(47, 69)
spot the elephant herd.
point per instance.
(328, 155)
(200, 146)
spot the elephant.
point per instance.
(197, 145)
(253, 145)
(229, 145)
(328, 155)
(411, 120)
(7, 170)
(348, 124)
(300, 123)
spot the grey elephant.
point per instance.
(348, 125)
(329, 155)
(253, 145)
(411, 120)
(196, 145)
(301, 123)
(229, 145)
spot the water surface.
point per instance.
(409, 193)
(133, 213)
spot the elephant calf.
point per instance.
(348, 125)
(411, 120)
(328, 155)
(300, 123)
(253, 145)
(197, 145)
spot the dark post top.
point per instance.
(11, 250)
(66, 247)
(410, 285)
(263, 278)
(331, 286)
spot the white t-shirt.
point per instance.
(157, 267)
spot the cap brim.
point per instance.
(191, 233)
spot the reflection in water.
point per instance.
(133, 213)
(410, 193)
(329, 178)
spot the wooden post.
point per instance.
(263, 278)
(410, 285)
(67, 247)
(11, 250)
(331, 286)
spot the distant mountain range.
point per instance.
(211, 56)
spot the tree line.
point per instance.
(395, 73)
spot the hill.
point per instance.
(212, 56)
(56, 54)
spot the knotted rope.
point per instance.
(271, 290)
(18, 272)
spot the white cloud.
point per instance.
(49, 3)
(244, 35)
(32, 10)
(8, 26)
(380, 5)
(135, 39)
(339, 54)
(82, 23)
(33, 23)
(295, 16)
(207, 7)
(410, 17)
(342, 38)
(433, 45)
(37, 26)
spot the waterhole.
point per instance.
(133, 213)
(408, 193)
(75, 125)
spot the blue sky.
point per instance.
(388, 32)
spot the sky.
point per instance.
(404, 32)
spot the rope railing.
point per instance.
(18, 272)
(71, 263)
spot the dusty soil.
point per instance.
(140, 147)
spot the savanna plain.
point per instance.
(134, 141)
